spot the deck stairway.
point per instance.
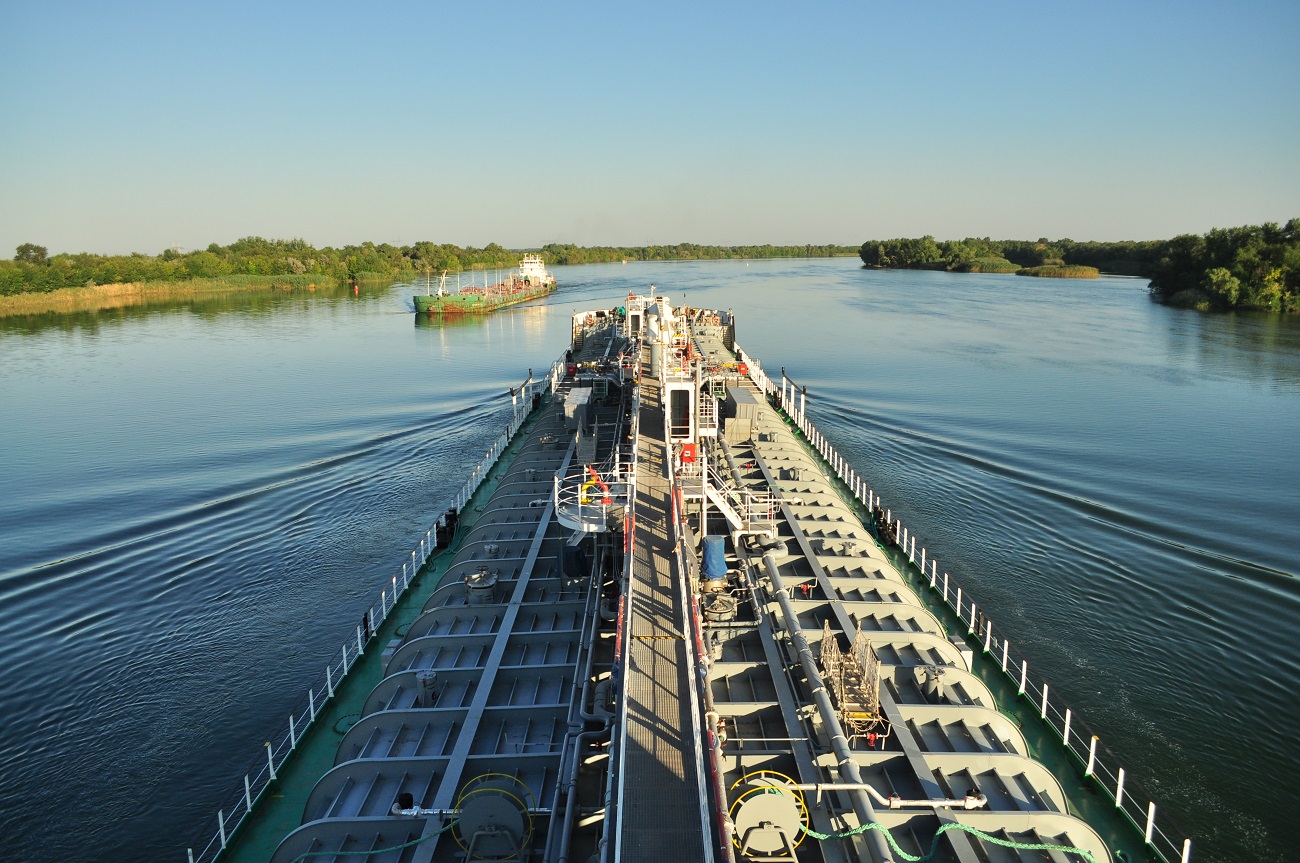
(746, 509)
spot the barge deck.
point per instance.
(668, 622)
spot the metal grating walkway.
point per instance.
(661, 816)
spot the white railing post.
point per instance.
(221, 826)
(248, 796)
(923, 560)
(1092, 756)
(270, 756)
(361, 648)
(934, 572)
(988, 637)
(1042, 714)
(1065, 735)
(293, 735)
(311, 704)
(1024, 673)
(345, 657)
(1187, 850)
(1151, 820)
(959, 614)
(329, 681)
(1119, 789)
(971, 630)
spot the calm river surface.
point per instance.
(196, 502)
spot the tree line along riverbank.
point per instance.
(1250, 267)
(37, 282)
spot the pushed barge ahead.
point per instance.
(529, 282)
(673, 625)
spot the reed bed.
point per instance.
(989, 265)
(93, 298)
(1068, 271)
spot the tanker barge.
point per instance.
(666, 621)
(529, 282)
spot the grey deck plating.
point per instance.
(660, 817)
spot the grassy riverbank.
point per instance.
(99, 297)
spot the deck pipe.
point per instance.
(731, 463)
(713, 721)
(848, 768)
(970, 801)
(576, 725)
(575, 739)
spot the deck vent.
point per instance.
(931, 683)
(481, 586)
(428, 688)
(492, 550)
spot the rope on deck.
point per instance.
(306, 854)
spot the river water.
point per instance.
(197, 500)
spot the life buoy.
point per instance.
(594, 481)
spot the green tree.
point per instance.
(30, 253)
(1223, 286)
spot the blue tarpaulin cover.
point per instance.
(715, 557)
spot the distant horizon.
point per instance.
(534, 248)
(137, 127)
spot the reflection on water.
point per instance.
(207, 306)
(1258, 347)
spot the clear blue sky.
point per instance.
(134, 126)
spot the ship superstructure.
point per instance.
(668, 631)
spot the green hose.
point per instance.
(944, 828)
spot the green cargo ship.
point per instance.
(529, 282)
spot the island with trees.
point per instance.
(1254, 267)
